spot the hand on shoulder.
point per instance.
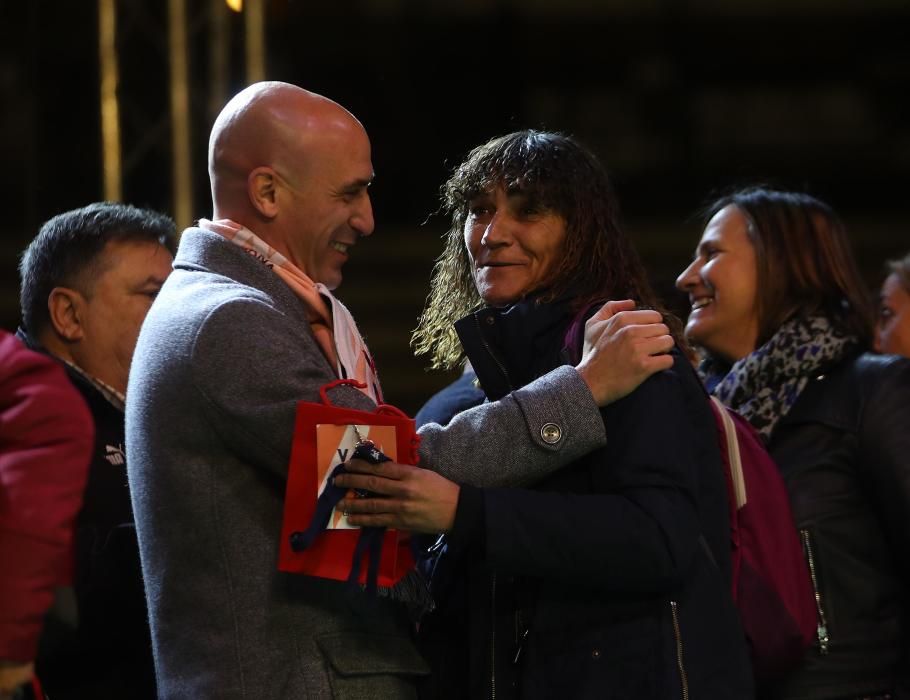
(623, 347)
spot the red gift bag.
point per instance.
(324, 436)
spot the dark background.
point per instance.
(681, 100)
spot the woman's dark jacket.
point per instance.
(844, 450)
(611, 578)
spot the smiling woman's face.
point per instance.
(722, 284)
(513, 244)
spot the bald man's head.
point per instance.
(270, 123)
(293, 166)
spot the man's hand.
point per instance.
(408, 498)
(623, 347)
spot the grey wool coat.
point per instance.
(224, 356)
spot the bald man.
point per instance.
(245, 328)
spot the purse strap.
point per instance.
(733, 456)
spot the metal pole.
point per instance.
(180, 114)
(219, 48)
(254, 16)
(112, 174)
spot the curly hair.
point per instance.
(598, 261)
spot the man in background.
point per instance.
(87, 281)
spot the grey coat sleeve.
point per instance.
(253, 381)
(519, 439)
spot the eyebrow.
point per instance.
(514, 189)
(478, 194)
(705, 242)
(358, 184)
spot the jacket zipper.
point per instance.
(822, 629)
(683, 678)
(505, 373)
(493, 639)
(496, 361)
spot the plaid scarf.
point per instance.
(332, 324)
(764, 385)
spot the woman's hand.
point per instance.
(407, 497)
(623, 347)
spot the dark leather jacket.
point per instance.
(844, 450)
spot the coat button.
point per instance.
(551, 433)
(595, 654)
(489, 320)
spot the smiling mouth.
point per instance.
(701, 303)
(496, 264)
(340, 247)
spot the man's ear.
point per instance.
(66, 314)
(262, 189)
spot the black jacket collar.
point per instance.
(511, 346)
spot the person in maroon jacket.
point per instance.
(46, 437)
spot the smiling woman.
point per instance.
(597, 581)
(782, 318)
(723, 287)
(543, 202)
(513, 243)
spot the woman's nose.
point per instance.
(497, 232)
(688, 278)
